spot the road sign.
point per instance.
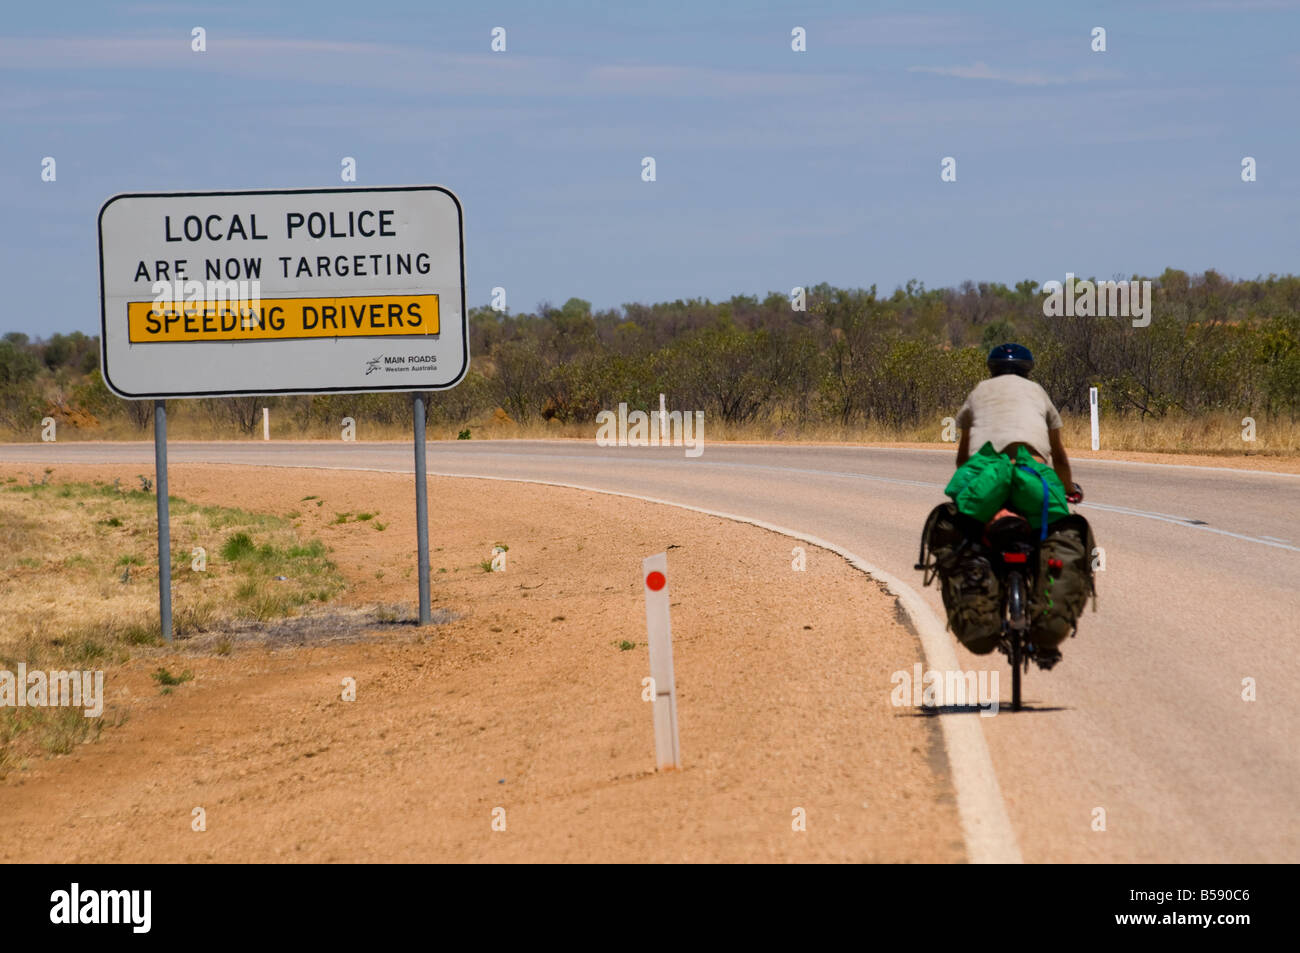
(207, 294)
(654, 573)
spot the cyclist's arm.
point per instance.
(963, 446)
(1060, 461)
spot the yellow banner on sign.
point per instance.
(276, 318)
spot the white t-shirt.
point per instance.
(1009, 409)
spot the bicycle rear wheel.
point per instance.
(1016, 625)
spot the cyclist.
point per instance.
(1010, 411)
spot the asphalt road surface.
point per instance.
(1144, 720)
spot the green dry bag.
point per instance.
(989, 480)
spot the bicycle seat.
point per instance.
(1006, 529)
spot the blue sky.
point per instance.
(775, 168)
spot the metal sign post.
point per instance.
(164, 518)
(421, 510)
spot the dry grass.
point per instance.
(53, 731)
(1213, 434)
(81, 558)
(79, 582)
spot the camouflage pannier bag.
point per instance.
(1063, 581)
(951, 549)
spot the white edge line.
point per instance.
(986, 827)
(1187, 524)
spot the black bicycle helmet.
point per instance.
(1010, 359)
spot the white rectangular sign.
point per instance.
(207, 294)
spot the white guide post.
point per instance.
(654, 570)
(1096, 431)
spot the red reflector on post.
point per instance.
(1013, 557)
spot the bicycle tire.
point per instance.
(1016, 619)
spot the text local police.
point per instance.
(366, 223)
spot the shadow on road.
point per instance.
(1025, 709)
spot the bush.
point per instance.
(237, 547)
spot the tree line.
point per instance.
(839, 356)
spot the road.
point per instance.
(1144, 720)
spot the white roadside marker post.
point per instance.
(1096, 431)
(654, 573)
(266, 423)
(663, 420)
